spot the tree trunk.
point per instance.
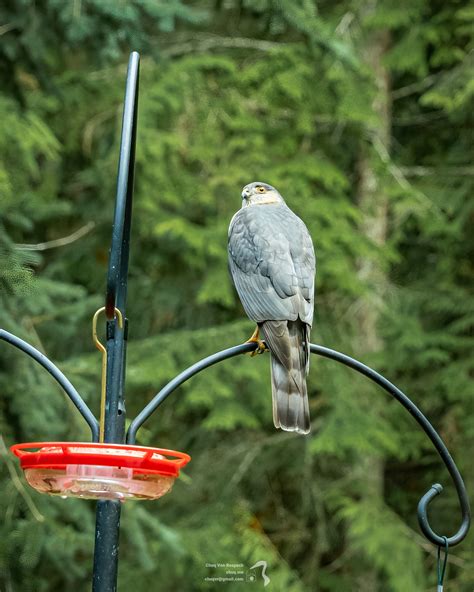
(373, 203)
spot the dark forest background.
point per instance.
(360, 112)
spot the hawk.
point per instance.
(272, 264)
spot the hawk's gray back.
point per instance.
(272, 263)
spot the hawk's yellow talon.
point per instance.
(262, 346)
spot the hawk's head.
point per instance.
(258, 193)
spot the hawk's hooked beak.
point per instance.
(245, 194)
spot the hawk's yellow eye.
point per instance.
(261, 189)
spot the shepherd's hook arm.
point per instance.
(375, 377)
(432, 435)
(58, 376)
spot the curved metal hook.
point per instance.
(423, 521)
(375, 377)
(58, 376)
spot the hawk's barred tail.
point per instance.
(290, 405)
(288, 343)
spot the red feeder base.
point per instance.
(99, 471)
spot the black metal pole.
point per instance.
(108, 512)
(106, 545)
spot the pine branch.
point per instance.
(6, 28)
(59, 242)
(398, 175)
(206, 43)
(410, 89)
(421, 171)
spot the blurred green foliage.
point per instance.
(232, 92)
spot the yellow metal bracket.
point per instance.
(102, 349)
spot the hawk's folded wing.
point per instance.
(272, 263)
